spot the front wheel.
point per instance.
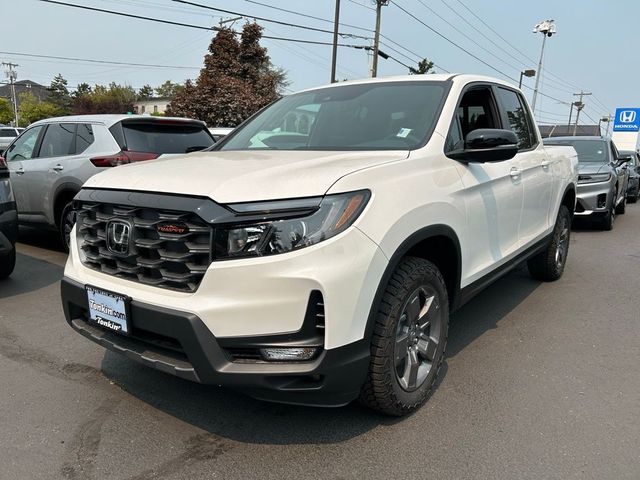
(67, 222)
(549, 265)
(622, 206)
(409, 339)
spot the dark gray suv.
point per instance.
(603, 179)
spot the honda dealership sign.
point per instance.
(627, 120)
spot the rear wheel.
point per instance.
(549, 265)
(67, 221)
(409, 339)
(7, 263)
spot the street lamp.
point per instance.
(526, 73)
(547, 28)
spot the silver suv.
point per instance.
(51, 160)
(8, 135)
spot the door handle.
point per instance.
(58, 168)
(20, 171)
(515, 173)
(545, 164)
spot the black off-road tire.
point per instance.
(549, 264)
(622, 207)
(633, 198)
(382, 390)
(7, 263)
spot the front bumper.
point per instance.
(594, 199)
(8, 226)
(179, 343)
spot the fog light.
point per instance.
(602, 200)
(289, 353)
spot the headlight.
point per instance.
(594, 178)
(335, 214)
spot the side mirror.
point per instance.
(622, 161)
(487, 145)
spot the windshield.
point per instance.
(160, 138)
(589, 151)
(371, 116)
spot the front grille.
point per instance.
(171, 260)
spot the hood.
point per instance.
(591, 168)
(242, 176)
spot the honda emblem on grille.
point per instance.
(118, 236)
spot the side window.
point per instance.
(22, 148)
(476, 110)
(614, 152)
(518, 117)
(84, 137)
(58, 140)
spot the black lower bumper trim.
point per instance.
(179, 343)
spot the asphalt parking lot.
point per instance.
(540, 381)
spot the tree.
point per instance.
(237, 79)
(168, 89)
(31, 109)
(424, 67)
(145, 93)
(6, 111)
(81, 89)
(59, 94)
(112, 99)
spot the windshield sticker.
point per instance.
(403, 133)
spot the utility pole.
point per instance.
(547, 28)
(13, 75)
(376, 39)
(334, 54)
(579, 106)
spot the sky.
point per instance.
(595, 48)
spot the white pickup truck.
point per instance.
(315, 254)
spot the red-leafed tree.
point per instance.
(237, 80)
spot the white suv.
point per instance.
(314, 256)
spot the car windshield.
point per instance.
(372, 116)
(158, 137)
(589, 151)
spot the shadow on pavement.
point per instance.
(236, 417)
(30, 274)
(40, 237)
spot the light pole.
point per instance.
(334, 53)
(526, 73)
(548, 29)
(376, 39)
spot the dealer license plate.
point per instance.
(108, 310)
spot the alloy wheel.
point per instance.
(68, 221)
(563, 244)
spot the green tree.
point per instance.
(105, 99)
(237, 79)
(168, 89)
(145, 93)
(424, 67)
(31, 109)
(59, 94)
(6, 111)
(81, 89)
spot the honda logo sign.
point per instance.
(627, 120)
(118, 237)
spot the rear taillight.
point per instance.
(121, 158)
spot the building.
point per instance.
(23, 86)
(152, 106)
(569, 130)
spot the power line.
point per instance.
(107, 62)
(269, 20)
(189, 25)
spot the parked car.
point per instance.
(321, 268)
(8, 223)
(8, 135)
(51, 160)
(219, 133)
(603, 180)
(633, 191)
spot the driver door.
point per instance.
(18, 155)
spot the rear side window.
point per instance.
(156, 137)
(518, 117)
(58, 140)
(84, 137)
(8, 132)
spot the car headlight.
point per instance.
(594, 178)
(335, 214)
